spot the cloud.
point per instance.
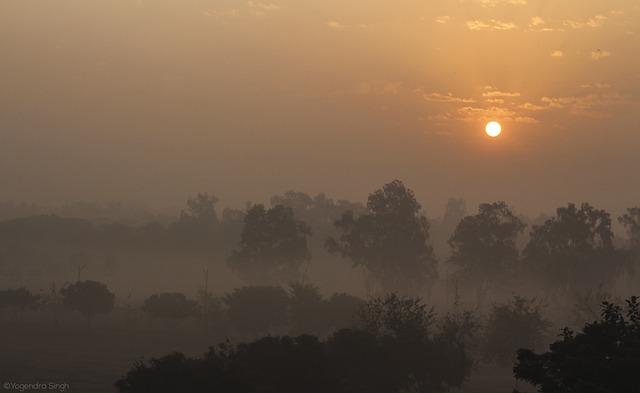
(391, 88)
(495, 100)
(252, 8)
(259, 9)
(443, 19)
(531, 107)
(444, 97)
(498, 93)
(595, 86)
(589, 105)
(335, 25)
(233, 12)
(593, 22)
(494, 3)
(526, 119)
(470, 113)
(491, 25)
(536, 21)
(599, 54)
(557, 53)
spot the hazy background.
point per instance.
(149, 102)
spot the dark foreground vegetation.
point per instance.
(396, 353)
(315, 295)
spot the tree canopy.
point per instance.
(390, 241)
(88, 297)
(170, 308)
(484, 247)
(574, 251)
(603, 357)
(273, 246)
(257, 309)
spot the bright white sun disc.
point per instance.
(493, 129)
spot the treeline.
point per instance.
(390, 240)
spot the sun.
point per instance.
(493, 129)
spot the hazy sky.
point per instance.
(151, 101)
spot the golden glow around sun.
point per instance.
(493, 129)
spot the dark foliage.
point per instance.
(484, 247)
(574, 251)
(603, 358)
(170, 308)
(88, 297)
(350, 361)
(273, 246)
(256, 310)
(390, 241)
(516, 324)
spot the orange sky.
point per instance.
(153, 101)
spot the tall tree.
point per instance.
(273, 246)
(390, 242)
(90, 298)
(483, 246)
(631, 222)
(574, 251)
(196, 228)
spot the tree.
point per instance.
(255, 310)
(516, 324)
(53, 300)
(201, 209)
(631, 222)
(306, 310)
(401, 317)
(484, 246)
(170, 308)
(273, 246)
(390, 242)
(586, 305)
(415, 358)
(18, 300)
(603, 357)
(341, 311)
(197, 225)
(88, 297)
(574, 251)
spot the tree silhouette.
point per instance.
(484, 247)
(88, 297)
(341, 311)
(574, 251)
(401, 317)
(516, 324)
(256, 310)
(603, 357)
(18, 301)
(631, 222)
(390, 241)
(170, 308)
(307, 310)
(196, 228)
(273, 246)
